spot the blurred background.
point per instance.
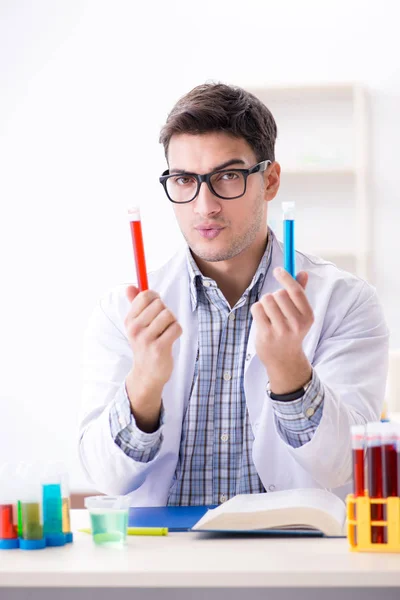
(85, 87)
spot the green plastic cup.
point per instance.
(109, 519)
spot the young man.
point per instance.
(228, 376)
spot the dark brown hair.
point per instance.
(224, 108)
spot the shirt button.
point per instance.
(248, 356)
(207, 284)
(223, 498)
(271, 488)
(224, 437)
(227, 376)
(309, 412)
(231, 316)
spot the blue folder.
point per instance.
(183, 518)
(176, 518)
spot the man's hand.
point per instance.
(152, 329)
(283, 319)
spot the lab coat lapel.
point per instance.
(177, 297)
(255, 373)
(270, 286)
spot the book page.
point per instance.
(303, 508)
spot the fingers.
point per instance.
(259, 316)
(131, 292)
(163, 320)
(151, 330)
(148, 315)
(172, 333)
(278, 311)
(273, 311)
(142, 300)
(288, 310)
(295, 290)
(302, 279)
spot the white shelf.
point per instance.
(322, 147)
(319, 170)
(326, 90)
(348, 260)
(331, 252)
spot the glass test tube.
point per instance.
(138, 247)
(375, 478)
(8, 510)
(30, 498)
(289, 252)
(7, 526)
(358, 444)
(52, 505)
(389, 455)
(21, 472)
(398, 461)
(66, 507)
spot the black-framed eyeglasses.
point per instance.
(227, 184)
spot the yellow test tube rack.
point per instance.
(359, 523)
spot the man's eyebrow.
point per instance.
(228, 163)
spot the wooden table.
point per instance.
(239, 567)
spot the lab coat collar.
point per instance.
(195, 275)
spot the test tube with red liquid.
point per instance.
(398, 461)
(8, 510)
(358, 451)
(358, 448)
(138, 247)
(389, 455)
(375, 478)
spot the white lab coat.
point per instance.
(347, 345)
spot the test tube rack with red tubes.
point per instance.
(373, 509)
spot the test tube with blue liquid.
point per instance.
(52, 505)
(289, 250)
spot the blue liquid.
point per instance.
(52, 509)
(109, 528)
(288, 247)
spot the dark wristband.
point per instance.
(288, 397)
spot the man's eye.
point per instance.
(229, 176)
(182, 180)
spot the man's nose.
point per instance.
(206, 203)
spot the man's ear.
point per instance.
(272, 178)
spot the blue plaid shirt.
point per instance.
(215, 459)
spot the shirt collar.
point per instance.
(196, 277)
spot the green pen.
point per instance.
(139, 530)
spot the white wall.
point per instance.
(84, 89)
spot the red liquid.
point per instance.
(390, 469)
(138, 248)
(358, 472)
(375, 489)
(7, 527)
(398, 472)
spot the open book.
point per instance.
(301, 509)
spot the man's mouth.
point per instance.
(209, 231)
